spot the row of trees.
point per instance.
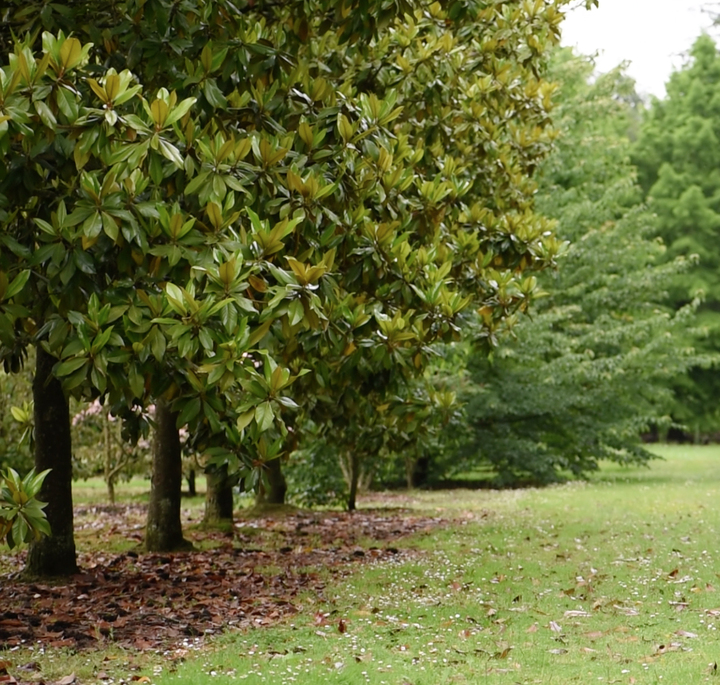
(317, 280)
(576, 383)
(259, 217)
(318, 270)
(597, 363)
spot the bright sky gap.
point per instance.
(652, 35)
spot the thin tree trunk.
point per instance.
(54, 555)
(354, 463)
(109, 479)
(421, 472)
(111, 490)
(276, 485)
(409, 472)
(218, 496)
(113, 477)
(192, 488)
(164, 530)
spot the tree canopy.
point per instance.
(679, 170)
(199, 204)
(588, 372)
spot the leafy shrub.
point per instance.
(21, 515)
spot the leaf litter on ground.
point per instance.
(161, 601)
(477, 600)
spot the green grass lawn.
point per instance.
(610, 581)
(614, 580)
(94, 491)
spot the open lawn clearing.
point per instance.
(608, 581)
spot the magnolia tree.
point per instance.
(455, 230)
(88, 286)
(208, 204)
(112, 235)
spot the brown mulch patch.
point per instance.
(158, 601)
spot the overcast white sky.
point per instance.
(653, 35)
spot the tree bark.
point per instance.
(218, 496)
(192, 488)
(410, 464)
(354, 463)
(54, 555)
(420, 473)
(109, 477)
(276, 485)
(164, 530)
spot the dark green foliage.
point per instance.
(16, 421)
(213, 200)
(22, 519)
(588, 372)
(678, 159)
(442, 246)
(314, 475)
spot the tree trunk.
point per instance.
(192, 489)
(410, 472)
(218, 496)
(354, 464)
(164, 530)
(421, 472)
(276, 485)
(109, 476)
(54, 555)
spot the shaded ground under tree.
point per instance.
(253, 576)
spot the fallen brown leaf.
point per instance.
(67, 680)
(154, 601)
